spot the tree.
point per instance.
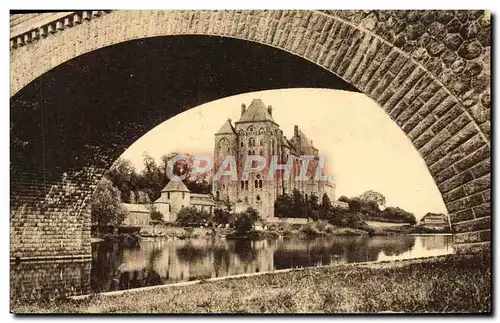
(326, 208)
(313, 207)
(222, 217)
(246, 220)
(299, 205)
(190, 216)
(374, 197)
(283, 206)
(124, 177)
(399, 215)
(151, 178)
(107, 209)
(155, 215)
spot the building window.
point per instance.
(261, 152)
(168, 195)
(258, 197)
(217, 195)
(246, 199)
(261, 143)
(223, 186)
(251, 142)
(183, 195)
(169, 208)
(260, 183)
(242, 184)
(256, 183)
(246, 185)
(241, 144)
(249, 152)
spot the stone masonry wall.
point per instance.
(31, 281)
(428, 70)
(57, 225)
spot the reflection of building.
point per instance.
(256, 133)
(174, 196)
(434, 220)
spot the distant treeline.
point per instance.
(368, 206)
(145, 186)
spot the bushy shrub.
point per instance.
(190, 216)
(244, 222)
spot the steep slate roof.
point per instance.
(227, 127)
(175, 185)
(256, 111)
(138, 208)
(304, 143)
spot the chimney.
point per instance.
(243, 108)
(296, 131)
(270, 109)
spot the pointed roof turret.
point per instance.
(227, 128)
(256, 111)
(175, 185)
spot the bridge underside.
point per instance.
(78, 118)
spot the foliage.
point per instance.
(326, 209)
(144, 187)
(375, 197)
(283, 206)
(398, 213)
(191, 216)
(107, 210)
(155, 215)
(244, 222)
(222, 217)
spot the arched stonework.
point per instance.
(414, 67)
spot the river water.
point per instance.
(116, 266)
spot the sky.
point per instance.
(364, 148)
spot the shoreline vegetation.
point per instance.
(274, 230)
(458, 283)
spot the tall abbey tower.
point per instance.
(256, 133)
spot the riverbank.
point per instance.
(454, 283)
(284, 229)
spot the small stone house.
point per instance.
(175, 196)
(138, 215)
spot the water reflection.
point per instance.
(116, 266)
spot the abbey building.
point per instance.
(257, 133)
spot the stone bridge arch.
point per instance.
(429, 70)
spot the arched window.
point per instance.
(242, 184)
(260, 183)
(262, 131)
(256, 183)
(223, 186)
(241, 144)
(223, 145)
(249, 152)
(251, 142)
(258, 197)
(250, 130)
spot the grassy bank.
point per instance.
(455, 283)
